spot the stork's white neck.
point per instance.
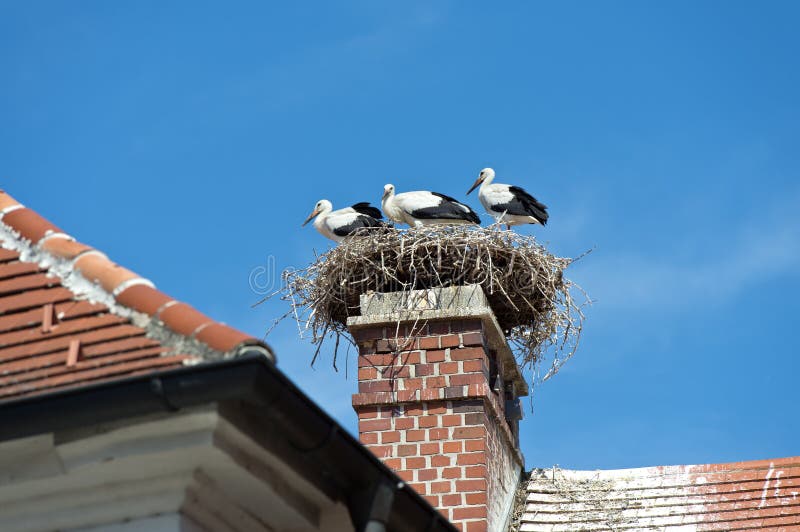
(487, 180)
(390, 209)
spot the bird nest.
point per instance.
(533, 302)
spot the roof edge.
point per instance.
(90, 274)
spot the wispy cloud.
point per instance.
(760, 251)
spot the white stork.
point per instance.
(422, 207)
(508, 204)
(339, 224)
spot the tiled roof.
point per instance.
(69, 316)
(758, 495)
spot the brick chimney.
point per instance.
(438, 400)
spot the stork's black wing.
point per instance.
(361, 221)
(448, 209)
(523, 204)
(365, 208)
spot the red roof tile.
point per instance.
(56, 333)
(183, 319)
(29, 224)
(143, 298)
(743, 495)
(65, 248)
(98, 269)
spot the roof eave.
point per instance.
(250, 382)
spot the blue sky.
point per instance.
(190, 140)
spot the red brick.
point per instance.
(429, 342)
(435, 382)
(437, 408)
(465, 433)
(447, 368)
(415, 435)
(438, 434)
(451, 447)
(450, 340)
(475, 498)
(422, 370)
(453, 499)
(478, 471)
(393, 463)
(413, 357)
(430, 394)
(415, 462)
(476, 418)
(372, 399)
(406, 450)
(454, 392)
(374, 386)
(404, 423)
(451, 472)
(440, 487)
(374, 360)
(441, 461)
(404, 396)
(368, 425)
(452, 420)
(369, 437)
(471, 458)
(419, 487)
(381, 451)
(433, 500)
(367, 412)
(368, 373)
(469, 378)
(414, 410)
(429, 448)
(472, 338)
(435, 355)
(426, 474)
(467, 353)
(392, 436)
(426, 422)
(396, 372)
(474, 445)
(476, 526)
(407, 475)
(412, 384)
(472, 366)
(470, 512)
(470, 485)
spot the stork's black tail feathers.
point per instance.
(532, 206)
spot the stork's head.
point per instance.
(388, 190)
(322, 205)
(487, 174)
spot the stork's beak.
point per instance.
(310, 217)
(475, 184)
(385, 194)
